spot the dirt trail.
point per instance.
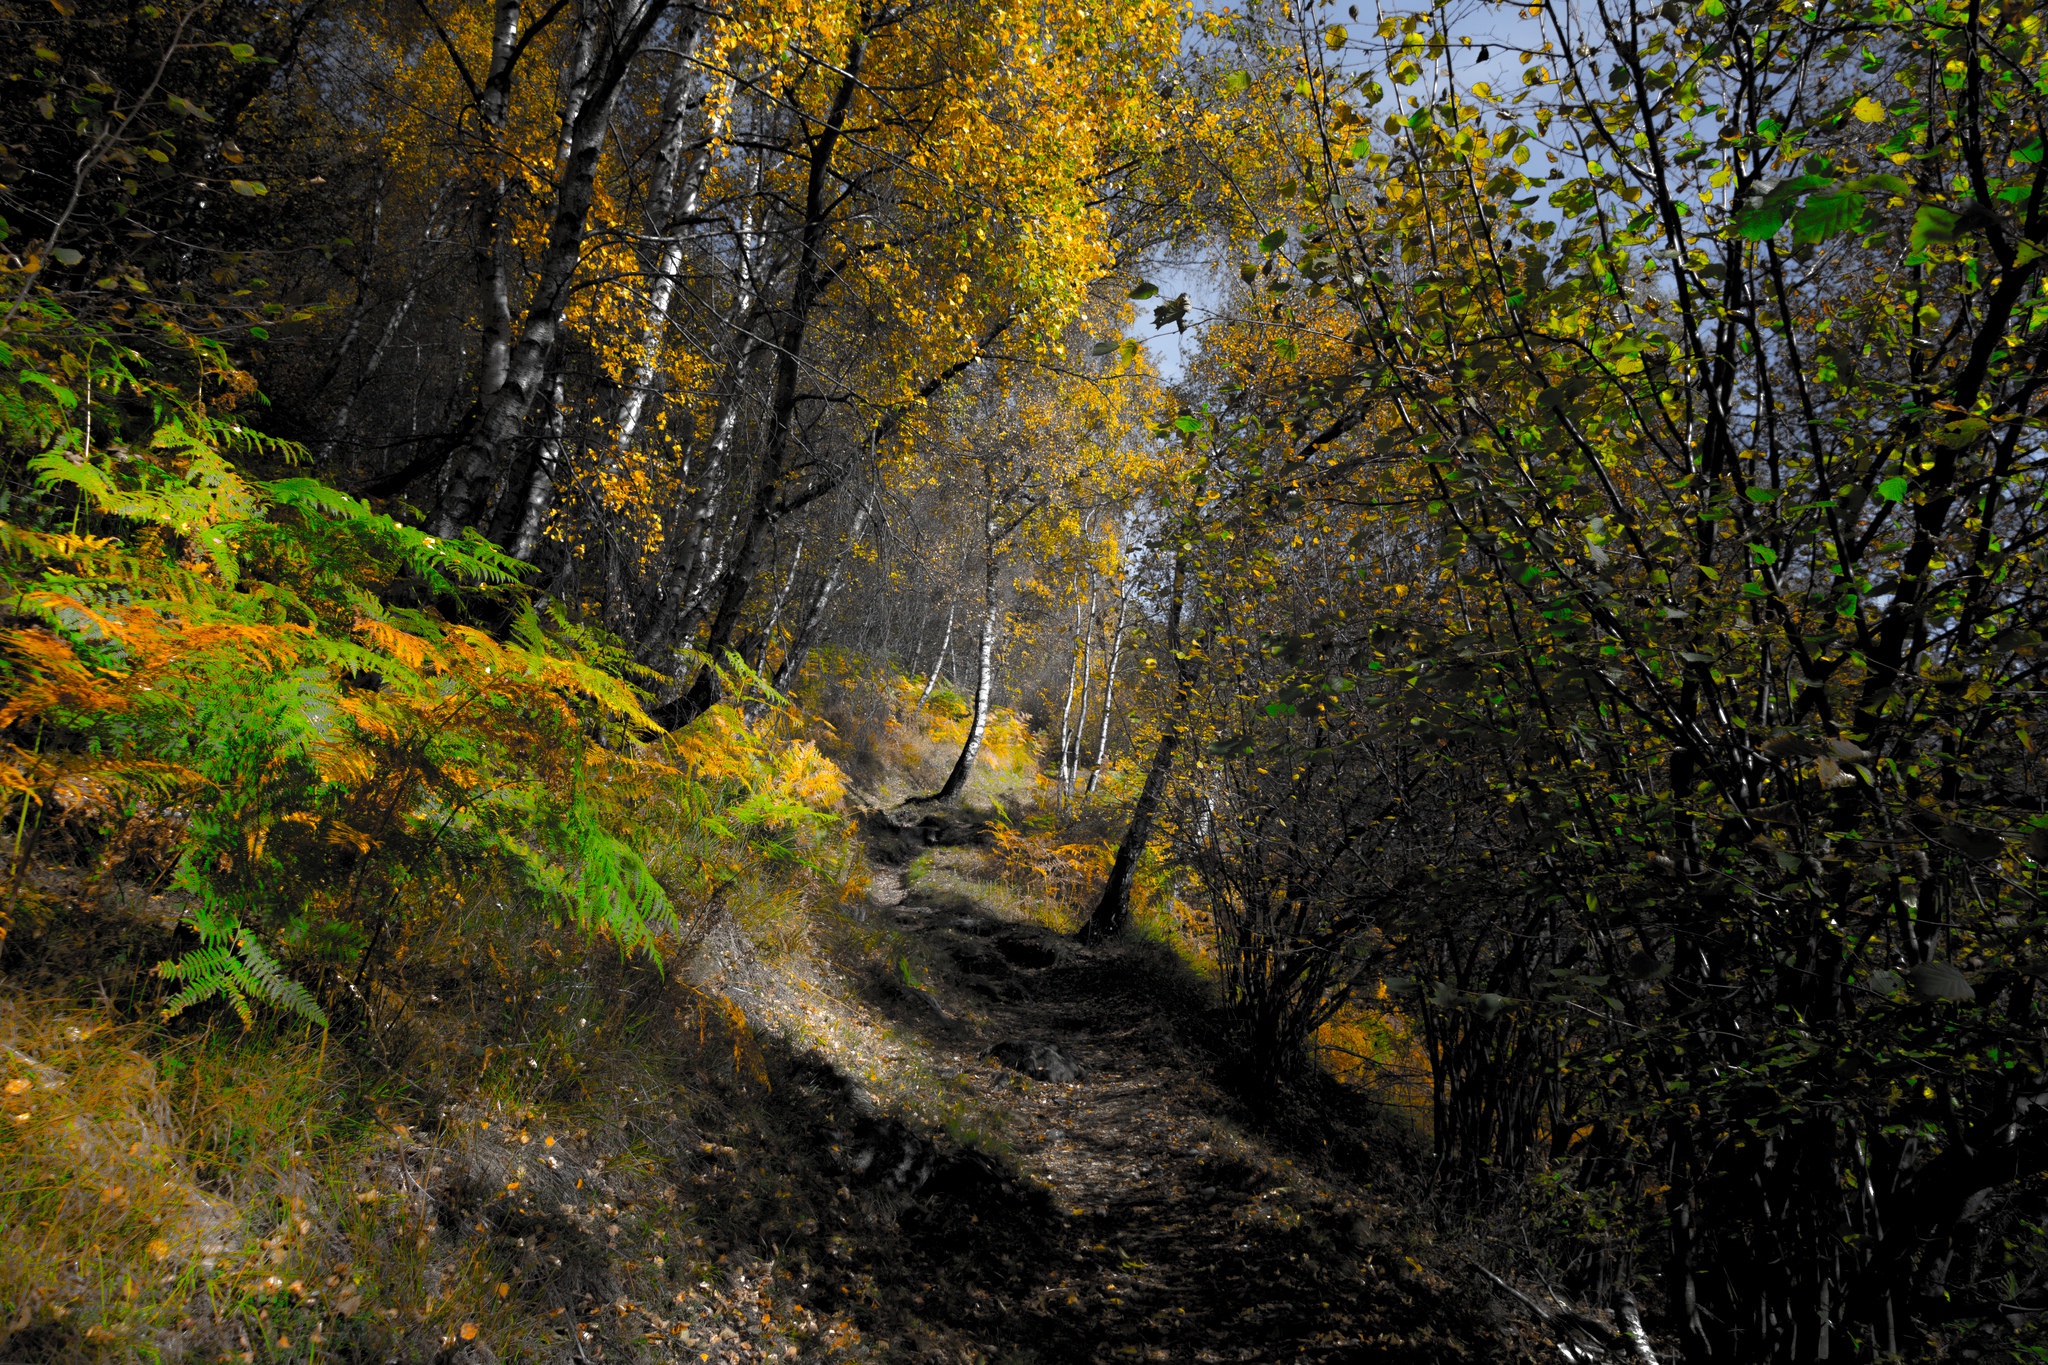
(1160, 1219)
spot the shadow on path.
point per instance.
(1138, 1213)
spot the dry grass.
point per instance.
(868, 720)
(162, 1188)
(490, 1158)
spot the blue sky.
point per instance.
(1503, 26)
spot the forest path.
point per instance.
(1170, 1223)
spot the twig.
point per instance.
(1588, 1327)
(1632, 1328)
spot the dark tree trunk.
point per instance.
(512, 384)
(1113, 910)
(807, 633)
(769, 501)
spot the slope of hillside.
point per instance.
(917, 1124)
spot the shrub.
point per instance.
(265, 694)
(1296, 854)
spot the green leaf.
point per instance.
(1892, 490)
(1825, 216)
(248, 188)
(1103, 348)
(1932, 223)
(1884, 182)
(1145, 290)
(64, 255)
(1273, 240)
(1761, 221)
(1760, 224)
(1941, 981)
(1961, 432)
(1236, 81)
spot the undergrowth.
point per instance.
(869, 719)
(360, 927)
(326, 837)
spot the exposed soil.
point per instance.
(1144, 1211)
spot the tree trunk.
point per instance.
(984, 687)
(1067, 713)
(1070, 765)
(337, 426)
(1113, 910)
(1116, 654)
(540, 488)
(807, 634)
(769, 505)
(939, 661)
(796, 563)
(503, 408)
(676, 197)
(676, 591)
(361, 306)
(494, 105)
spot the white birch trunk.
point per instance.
(672, 213)
(939, 661)
(540, 490)
(1116, 654)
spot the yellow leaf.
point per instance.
(1869, 110)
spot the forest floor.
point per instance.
(800, 1144)
(1144, 1211)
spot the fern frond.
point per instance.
(207, 973)
(444, 564)
(229, 963)
(271, 981)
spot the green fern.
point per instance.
(601, 881)
(280, 656)
(231, 964)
